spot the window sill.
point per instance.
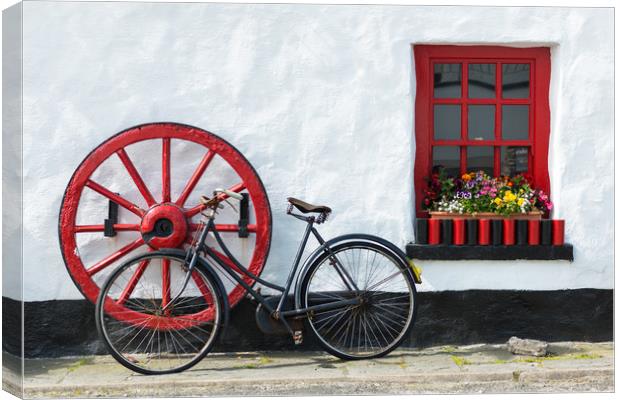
(516, 252)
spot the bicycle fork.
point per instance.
(190, 268)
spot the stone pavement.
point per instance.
(571, 367)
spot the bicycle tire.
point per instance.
(334, 328)
(155, 339)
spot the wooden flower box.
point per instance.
(534, 215)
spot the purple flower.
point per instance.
(463, 195)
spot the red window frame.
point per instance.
(539, 116)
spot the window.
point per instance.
(482, 108)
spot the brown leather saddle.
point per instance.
(307, 207)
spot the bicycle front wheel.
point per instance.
(147, 326)
(385, 294)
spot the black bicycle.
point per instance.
(162, 312)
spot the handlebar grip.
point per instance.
(229, 193)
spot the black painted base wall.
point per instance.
(67, 327)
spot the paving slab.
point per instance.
(570, 367)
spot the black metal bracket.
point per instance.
(108, 224)
(244, 205)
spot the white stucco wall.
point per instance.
(320, 100)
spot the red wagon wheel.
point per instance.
(124, 171)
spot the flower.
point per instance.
(509, 196)
(475, 192)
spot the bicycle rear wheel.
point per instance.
(145, 327)
(384, 287)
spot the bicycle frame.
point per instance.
(278, 313)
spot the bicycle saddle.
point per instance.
(307, 207)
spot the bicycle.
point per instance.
(161, 312)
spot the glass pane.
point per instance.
(514, 160)
(481, 81)
(516, 81)
(480, 158)
(515, 122)
(447, 81)
(448, 157)
(447, 118)
(481, 122)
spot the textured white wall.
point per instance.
(320, 100)
(11, 153)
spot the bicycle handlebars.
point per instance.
(219, 195)
(229, 193)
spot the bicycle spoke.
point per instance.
(341, 313)
(377, 324)
(160, 340)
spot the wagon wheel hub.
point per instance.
(164, 226)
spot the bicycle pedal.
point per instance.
(298, 337)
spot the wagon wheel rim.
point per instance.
(176, 209)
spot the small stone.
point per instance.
(528, 347)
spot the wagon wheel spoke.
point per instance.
(228, 262)
(101, 228)
(115, 256)
(191, 184)
(222, 196)
(135, 176)
(165, 282)
(133, 281)
(165, 170)
(121, 201)
(200, 283)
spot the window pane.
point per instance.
(516, 81)
(515, 122)
(514, 160)
(447, 119)
(481, 122)
(480, 158)
(481, 81)
(448, 157)
(447, 81)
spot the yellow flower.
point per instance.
(520, 202)
(498, 201)
(509, 196)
